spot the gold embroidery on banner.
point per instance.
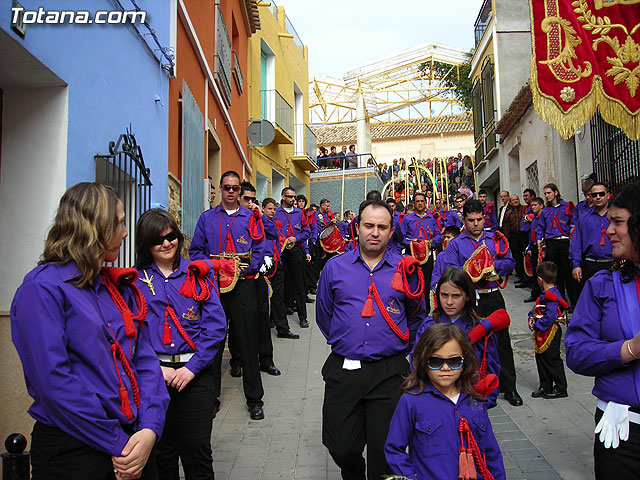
(609, 3)
(625, 54)
(567, 94)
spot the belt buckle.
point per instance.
(174, 358)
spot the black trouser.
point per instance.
(240, 309)
(56, 455)
(310, 279)
(357, 410)
(550, 366)
(427, 271)
(618, 463)
(277, 314)
(590, 268)
(517, 244)
(293, 261)
(535, 288)
(489, 303)
(558, 253)
(187, 429)
(265, 345)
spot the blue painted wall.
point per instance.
(112, 77)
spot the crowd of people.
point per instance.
(125, 364)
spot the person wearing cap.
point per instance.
(82, 335)
(235, 231)
(185, 333)
(461, 249)
(590, 249)
(367, 363)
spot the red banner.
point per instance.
(586, 55)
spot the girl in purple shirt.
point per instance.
(80, 331)
(440, 417)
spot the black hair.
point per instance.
(247, 187)
(451, 230)
(390, 200)
(230, 173)
(472, 206)
(554, 188)
(148, 229)
(530, 192)
(538, 200)
(547, 271)
(267, 201)
(482, 192)
(301, 197)
(629, 199)
(600, 184)
(375, 203)
(324, 200)
(374, 195)
(287, 188)
(419, 194)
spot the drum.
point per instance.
(332, 240)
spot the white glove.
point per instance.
(614, 425)
(268, 261)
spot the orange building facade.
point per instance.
(208, 101)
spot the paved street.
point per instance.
(544, 439)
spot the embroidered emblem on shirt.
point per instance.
(392, 307)
(147, 280)
(298, 226)
(190, 315)
(242, 240)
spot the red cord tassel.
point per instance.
(125, 408)
(230, 248)
(367, 310)
(129, 327)
(166, 334)
(396, 280)
(187, 288)
(602, 237)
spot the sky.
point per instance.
(344, 33)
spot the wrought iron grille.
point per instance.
(532, 177)
(222, 66)
(124, 170)
(616, 159)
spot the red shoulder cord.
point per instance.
(118, 353)
(166, 335)
(127, 316)
(197, 277)
(470, 457)
(399, 280)
(482, 371)
(367, 311)
(556, 222)
(353, 236)
(498, 237)
(256, 227)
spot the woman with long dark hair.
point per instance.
(81, 333)
(603, 341)
(186, 326)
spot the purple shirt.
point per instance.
(272, 243)
(582, 208)
(525, 224)
(420, 228)
(490, 216)
(427, 423)
(62, 336)
(454, 219)
(550, 315)
(593, 341)
(292, 223)
(344, 228)
(462, 247)
(536, 233)
(342, 291)
(587, 237)
(493, 361)
(210, 236)
(555, 222)
(204, 322)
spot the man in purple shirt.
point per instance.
(489, 211)
(590, 249)
(364, 372)
(490, 299)
(585, 205)
(296, 230)
(229, 228)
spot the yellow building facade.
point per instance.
(278, 78)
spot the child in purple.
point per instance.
(543, 321)
(440, 417)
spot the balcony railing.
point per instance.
(305, 142)
(222, 66)
(237, 72)
(484, 17)
(277, 110)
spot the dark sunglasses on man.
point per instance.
(598, 194)
(230, 188)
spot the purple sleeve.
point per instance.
(505, 265)
(324, 302)
(213, 328)
(154, 398)
(400, 432)
(437, 271)
(402, 238)
(587, 353)
(198, 249)
(575, 247)
(305, 233)
(38, 326)
(437, 234)
(270, 230)
(257, 256)
(549, 317)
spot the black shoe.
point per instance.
(529, 300)
(272, 324)
(513, 398)
(309, 299)
(304, 324)
(255, 412)
(288, 334)
(289, 311)
(236, 371)
(555, 393)
(312, 291)
(216, 407)
(538, 393)
(271, 370)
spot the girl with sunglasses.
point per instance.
(456, 304)
(185, 333)
(440, 416)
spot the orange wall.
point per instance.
(202, 15)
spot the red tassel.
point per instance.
(166, 334)
(367, 310)
(186, 289)
(230, 246)
(129, 327)
(396, 280)
(125, 408)
(602, 237)
(471, 467)
(463, 465)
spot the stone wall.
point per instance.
(354, 191)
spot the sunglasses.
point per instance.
(290, 196)
(249, 199)
(230, 188)
(598, 194)
(169, 237)
(436, 363)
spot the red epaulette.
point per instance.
(570, 209)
